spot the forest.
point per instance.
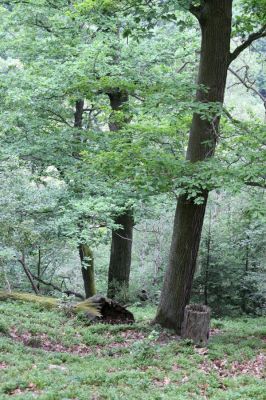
(132, 199)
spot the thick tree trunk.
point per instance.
(121, 246)
(87, 269)
(120, 258)
(215, 20)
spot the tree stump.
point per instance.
(196, 323)
(110, 311)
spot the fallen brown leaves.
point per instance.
(42, 341)
(3, 365)
(254, 367)
(162, 382)
(30, 388)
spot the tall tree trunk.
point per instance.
(215, 18)
(121, 246)
(87, 269)
(120, 258)
(85, 252)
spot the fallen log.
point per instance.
(50, 302)
(97, 308)
(111, 311)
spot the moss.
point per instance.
(49, 302)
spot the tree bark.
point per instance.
(120, 258)
(215, 18)
(196, 324)
(121, 246)
(87, 269)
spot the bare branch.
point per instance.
(254, 36)
(183, 67)
(68, 292)
(137, 96)
(28, 273)
(248, 84)
(59, 117)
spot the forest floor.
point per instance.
(48, 356)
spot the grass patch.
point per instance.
(46, 355)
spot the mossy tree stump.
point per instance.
(196, 323)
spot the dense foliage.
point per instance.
(66, 176)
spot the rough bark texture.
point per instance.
(87, 269)
(120, 258)
(215, 20)
(121, 246)
(196, 323)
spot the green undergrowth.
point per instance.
(47, 355)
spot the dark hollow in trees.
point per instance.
(121, 246)
(215, 18)
(196, 323)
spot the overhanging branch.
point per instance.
(254, 36)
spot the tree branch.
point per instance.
(254, 36)
(248, 85)
(196, 11)
(68, 292)
(28, 273)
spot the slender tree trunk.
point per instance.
(121, 246)
(28, 273)
(85, 252)
(39, 267)
(87, 269)
(215, 20)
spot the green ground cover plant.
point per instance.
(47, 355)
